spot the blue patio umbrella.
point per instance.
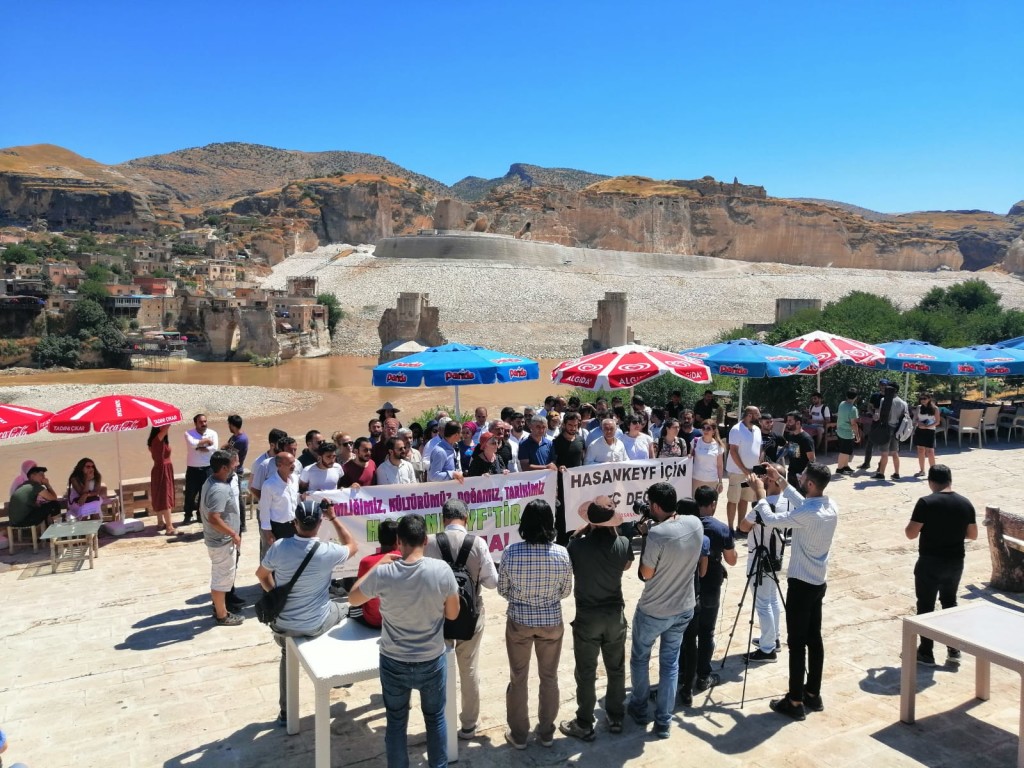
(1017, 343)
(751, 359)
(998, 361)
(914, 356)
(455, 365)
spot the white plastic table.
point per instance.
(348, 653)
(988, 632)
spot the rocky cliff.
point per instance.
(44, 183)
(680, 220)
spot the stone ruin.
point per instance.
(1006, 544)
(409, 327)
(609, 328)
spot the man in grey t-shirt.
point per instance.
(668, 560)
(309, 610)
(417, 594)
(218, 504)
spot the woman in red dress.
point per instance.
(161, 478)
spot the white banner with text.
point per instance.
(625, 483)
(495, 504)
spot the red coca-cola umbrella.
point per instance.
(19, 420)
(114, 413)
(627, 366)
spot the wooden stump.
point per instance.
(1006, 543)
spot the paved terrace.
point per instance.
(123, 666)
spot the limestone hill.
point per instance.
(233, 169)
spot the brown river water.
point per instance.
(348, 402)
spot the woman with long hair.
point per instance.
(708, 457)
(85, 490)
(639, 445)
(926, 419)
(535, 576)
(161, 479)
(670, 444)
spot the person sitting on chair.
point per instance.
(86, 490)
(34, 501)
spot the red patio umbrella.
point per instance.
(19, 420)
(114, 413)
(627, 366)
(831, 349)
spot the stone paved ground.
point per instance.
(122, 665)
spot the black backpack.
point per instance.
(462, 627)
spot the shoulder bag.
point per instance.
(269, 607)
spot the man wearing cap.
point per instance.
(599, 555)
(201, 442)
(454, 515)
(34, 501)
(309, 610)
(218, 505)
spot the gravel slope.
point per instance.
(546, 311)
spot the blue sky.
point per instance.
(892, 106)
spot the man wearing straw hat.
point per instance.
(599, 555)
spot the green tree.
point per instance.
(56, 350)
(334, 310)
(92, 289)
(184, 249)
(20, 253)
(87, 315)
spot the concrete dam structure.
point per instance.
(456, 244)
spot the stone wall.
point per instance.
(609, 328)
(412, 319)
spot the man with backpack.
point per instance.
(473, 568)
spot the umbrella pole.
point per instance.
(739, 409)
(120, 483)
(457, 411)
(984, 391)
(906, 384)
(819, 379)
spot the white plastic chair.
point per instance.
(1012, 423)
(942, 428)
(991, 420)
(969, 423)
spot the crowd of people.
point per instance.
(415, 587)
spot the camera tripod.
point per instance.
(759, 566)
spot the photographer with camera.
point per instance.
(763, 571)
(813, 520)
(668, 558)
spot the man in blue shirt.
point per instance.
(536, 451)
(444, 459)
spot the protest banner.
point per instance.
(625, 483)
(495, 505)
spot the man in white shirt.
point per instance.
(201, 442)
(518, 432)
(813, 520)
(744, 453)
(395, 469)
(325, 474)
(609, 448)
(412, 455)
(762, 584)
(278, 501)
(263, 465)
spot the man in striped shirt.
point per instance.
(813, 520)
